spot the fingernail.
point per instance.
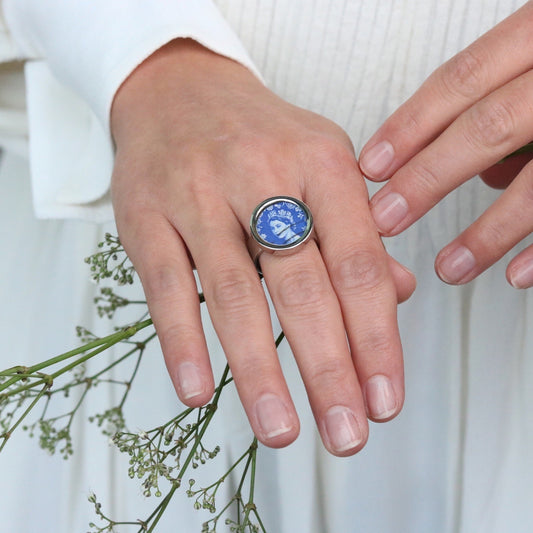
(273, 416)
(376, 161)
(522, 276)
(342, 429)
(190, 381)
(456, 265)
(389, 211)
(380, 398)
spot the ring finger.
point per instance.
(239, 312)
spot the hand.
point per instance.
(200, 142)
(468, 115)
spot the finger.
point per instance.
(241, 317)
(497, 57)
(500, 175)
(404, 280)
(358, 266)
(162, 262)
(480, 137)
(520, 269)
(309, 313)
(502, 225)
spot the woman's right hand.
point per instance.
(200, 142)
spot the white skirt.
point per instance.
(457, 459)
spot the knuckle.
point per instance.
(248, 144)
(136, 219)
(234, 291)
(327, 374)
(178, 338)
(299, 290)
(255, 371)
(492, 236)
(490, 124)
(411, 120)
(464, 75)
(377, 343)
(329, 156)
(358, 270)
(425, 180)
(198, 187)
(160, 280)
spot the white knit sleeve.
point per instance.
(83, 50)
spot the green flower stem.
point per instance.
(110, 340)
(217, 484)
(14, 370)
(238, 492)
(116, 362)
(280, 338)
(132, 377)
(258, 518)
(250, 507)
(5, 436)
(246, 467)
(253, 455)
(87, 380)
(164, 504)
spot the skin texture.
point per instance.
(200, 142)
(470, 113)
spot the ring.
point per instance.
(280, 224)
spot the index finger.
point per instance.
(490, 62)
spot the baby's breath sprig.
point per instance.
(111, 263)
(167, 451)
(23, 387)
(15, 408)
(247, 517)
(109, 525)
(157, 453)
(159, 457)
(107, 302)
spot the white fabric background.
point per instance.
(457, 460)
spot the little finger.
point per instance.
(161, 260)
(404, 280)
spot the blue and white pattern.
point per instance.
(281, 223)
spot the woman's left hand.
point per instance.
(468, 115)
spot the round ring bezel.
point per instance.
(265, 245)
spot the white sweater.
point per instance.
(353, 61)
(458, 459)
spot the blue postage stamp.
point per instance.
(282, 223)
